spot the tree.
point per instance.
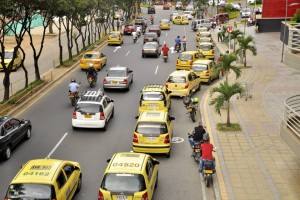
(226, 65)
(234, 36)
(225, 91)
(244, 45)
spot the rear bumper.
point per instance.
(88, 124)
(183, 67)
(114, 41)
(179, 93)
(115, 86)
(151, 149)
(86, 66)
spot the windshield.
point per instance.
(29, 191)
(90, 108)
(246, 10)
(116, 73)
(114, 35)
(185, 57)
(199, 67)
(153, 96)
(206, 47)
(205, 35)
(90, 56)
(151, 128)
(176, 79)
(165, 21)
(123, 183)
(8, 55)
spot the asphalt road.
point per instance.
(51, 118)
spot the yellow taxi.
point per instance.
(115, 37)
(181, 19)
(207, 49)
(182, 82)
(203, 34)
(164, 24)
(153, 133)
(205, 69)
(98, 59)
(154, 97)
(186, 59)
(8, 55)
(46, 179)
(129, 176)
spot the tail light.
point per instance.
(197, 146)
(166, 84)
(81, 61)
(156, 50)
(177, 61)
(5, 198)
(102, 116)
(135, 138)
(191, 62)
(97, 62)
(167, 139)
(74, 115)
(207, 73)
(143, 50)
(212, 51)
(104, 81)
(71, 95)
(186, 85)
(100, 196)
(125, 81)
(145, 196)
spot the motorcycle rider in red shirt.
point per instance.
(207, 149)
(165, 50)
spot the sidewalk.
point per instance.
(256, 163)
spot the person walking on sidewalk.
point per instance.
(219, 61)
(118, 24)
(220, 39)
(184, 43)
(235, 25)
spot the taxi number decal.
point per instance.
(126, 164)
(36, 173)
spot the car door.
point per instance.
(151, 177)
(11, 132)
(170, 127)
(63, 190)
(196, 80)
(130, 75)
(4, 138)
(72, 179)
(192, 81)
(19, 129)
(109, 106)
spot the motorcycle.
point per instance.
(197, 151)
(152, 21)
(138, 33)
(177, 47)
(208, 170)
(73, 98)
(165, 58)
(191, 106)
(91, 81)
(134, 39)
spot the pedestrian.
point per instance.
(219, 61)
(213, 26)
(220, 35)
(219, 22)
(235, 25)
(184, 43)
(118, 24)
(256, 26)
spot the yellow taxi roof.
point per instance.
(127, 162)
(207, 43)
(153, 116)
(38, 171)
(154, 87)
(92, 52)
(180, 73)
(206, 62)
(189, 52)
(207, 32)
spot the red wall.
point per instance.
(276, 8)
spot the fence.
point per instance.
(292, 114)
(294, 38)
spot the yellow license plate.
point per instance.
(208, 171)
(189, 109)
(87, 116)
(150, 39)
(149, 51)
(197, 150)
(115, 82)
(121, 197)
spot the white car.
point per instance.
(251, 1)
(235, 6)
(93, 110)
(216, 2)
(188, 14)
(245, 12)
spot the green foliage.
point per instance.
(246, 44)
(228, 8)
(296, 17)
(234, 14)
(223, 127)
(226, 65)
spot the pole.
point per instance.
(245, 20)
(284, 30)
(229, 43)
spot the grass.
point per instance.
(234, 14)
(224, 128)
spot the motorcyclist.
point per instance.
(91, 71)
(165, 50)
(138, 30)
(74, 87)
(177, 41)
(207, 149)
(134, 35)
(151, 19)
(197, 135)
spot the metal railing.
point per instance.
(294, 38)
(291, 115)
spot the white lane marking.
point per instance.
(127, 53)
(116, 48)
(166, 34)
(56, 146)
(156, 69)
(177, 140)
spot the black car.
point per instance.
(12, 132)
(151, 10)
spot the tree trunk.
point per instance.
(82, 39)
(24, 68)
(51, 27)
(245, 61)
(6, 84)
(76, 43)
(61, 63)
(89, 34)
(228, 115)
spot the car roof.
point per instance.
(153, 87)
(202, 62)
(189, 52)
(38, 166)
(92, 52)
(117, 163)
(153, 116)
(148, 43)
(117, 68)
(207, 43)
(180, 73)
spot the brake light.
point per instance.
(207, 73)
(167, 139)
(102, 116)
(81, 61)
(186, 85)
(125, 81)
(74, 115)
(156, 50)
(191, 62)
(135, 138)
(5, 198)
(166, 84)
(145, 196)
(104, 81)
(100, 196)
(97, 62)
(212, 51)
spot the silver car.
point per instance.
(245, 12)
(118, 77)
(151, 49)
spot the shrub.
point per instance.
(297, 16)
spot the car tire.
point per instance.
(105, 126)
(131, 81)
(28, 134)
(74, 128)
(156, 182)
(143, 56)
(7, 153)
(199, 87)
(209, 81)
(79, 184)
(168, 155)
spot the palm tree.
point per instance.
(226, 92)
(244, 45)
(226, 65)
(234, 36)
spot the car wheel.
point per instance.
(74, 128)
(28, 134)
(7, 153)
(168, 155)
(143, 56)
(209, 81)
(156, 182)
(131, 81)
(199, 87)
(79, 184)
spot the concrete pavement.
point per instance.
(256, 163)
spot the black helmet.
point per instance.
(178, 36)
(205, 137)
(73, 80)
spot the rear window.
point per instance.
(153, 96)
(88, 108)
(185, 57)
(199, 67)
(150, 35)
(114, 35)
(123, 183)
(116, 73)
(151, 128)
(90, 56)
(205, 35)
(205, 47)
(30, 191)
(176, 79)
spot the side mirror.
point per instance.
(172, 118)
(155, 162)
(108, 160)
(111, 101)
(130, 71)
(76, 168)
(136, 117)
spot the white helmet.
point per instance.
(91, 65)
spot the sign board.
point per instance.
(229, 29)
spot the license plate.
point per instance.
(189, 109)
(151, 138)
(115, 82)
(153, 107)
(183, 62)
(150, 39)
(87, 116)
(149, 51)
(122, 197)
(175, 92)
(208, 171)
(197, 150)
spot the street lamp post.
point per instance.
(245, 20)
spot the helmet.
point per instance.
(73, 80)
(91, 65)
(195, 100)
(205, 137)
(178, 36)
(165, 44)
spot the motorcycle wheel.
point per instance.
(196, 157)
(208, 180)
(165, 59)
(193, 115)
(91, 84)
(73, 101)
